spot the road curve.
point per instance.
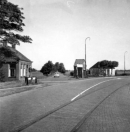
(19, 109)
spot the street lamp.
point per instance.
(124, 61)
(85, 56)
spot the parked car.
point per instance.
(56, 75)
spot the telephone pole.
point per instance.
(86, 75)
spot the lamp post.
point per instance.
(124, 61)
(85, 58)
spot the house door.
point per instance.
(80, 72)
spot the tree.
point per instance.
(5, 52)
(33, 70)
(47, 68)
(104, 64)
(11, 19)
(57, 65)
(72, 73)
(61, 68)
(112, 65)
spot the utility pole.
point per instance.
(86, 75)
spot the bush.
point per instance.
(72, 73)
(1, 76)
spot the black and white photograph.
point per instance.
(64, 65)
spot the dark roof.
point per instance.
(16, 55)
(95, 65)
(79, 61)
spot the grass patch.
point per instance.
(6, 92)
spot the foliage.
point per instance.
(5, 52)
(115, 64)
(72, 73)
(11, 19)
(56, 66)
(2, 76)
(49, 67)
(104, 64)
(108, 64)
(33, 70)
(61, 68)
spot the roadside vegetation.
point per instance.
(50, 68)
(11, 23)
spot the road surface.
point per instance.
(100, 104)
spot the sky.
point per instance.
(59, 29)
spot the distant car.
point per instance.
(56, 75)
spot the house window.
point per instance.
(21, 70)
(9, 71)
(12, 69)
(24, 69)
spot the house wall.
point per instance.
(94, 72)
(18, 71)
(23, 69)
(98, 71)
(121, 72)
(4, 69)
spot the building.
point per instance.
(14, 68)
(79, 68)
(122, 73)
(96, 70)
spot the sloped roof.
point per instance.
(16, 55)
(79, 61)
(95, 65)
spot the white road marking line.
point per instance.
(90, 88)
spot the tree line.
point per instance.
(107, 64)
(49, 68)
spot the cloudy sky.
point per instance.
(59, 28)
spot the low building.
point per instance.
(14, 68)
(79, 68)
(96, 70)
(122, 72)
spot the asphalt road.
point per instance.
(32, 111)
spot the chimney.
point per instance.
(13, 46)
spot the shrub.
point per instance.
(1, 76)
(72, 73)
